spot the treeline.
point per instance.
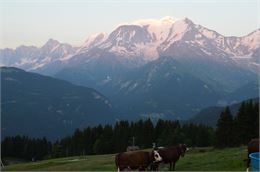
(26, 148)
(110, 139)
(240, 129)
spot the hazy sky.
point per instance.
(33, 22)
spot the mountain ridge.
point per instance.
(141, 41)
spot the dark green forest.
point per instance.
(115, 138)
(240, 129)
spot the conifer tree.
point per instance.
(224, 131)
(255, 123)
(247, 122)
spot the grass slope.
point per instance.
(197, 159)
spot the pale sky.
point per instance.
(33, 22)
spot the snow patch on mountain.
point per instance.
(159, 29)
(92, 41)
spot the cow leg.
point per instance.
(121, 168)
(170, 167)
(151, 167)
(248, 162)
(156, 168)
(173, 167)
(142, 169)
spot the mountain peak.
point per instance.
(50, 45)
(162, 21)
(52, 42)
(93, 40)
(187, 20)
(168, 19)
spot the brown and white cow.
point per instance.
(136, 160)
(253, 146)
(172, 154)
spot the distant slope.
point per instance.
(250, 89)
(210, 115)
(163, 88)
(38, 106)
(168, 87)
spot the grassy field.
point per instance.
(197, 159)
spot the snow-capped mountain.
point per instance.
(32, 58)
(142, 41)
(150, 39)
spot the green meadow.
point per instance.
(196, 159)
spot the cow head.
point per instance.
(156, 156)
(183, 148)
